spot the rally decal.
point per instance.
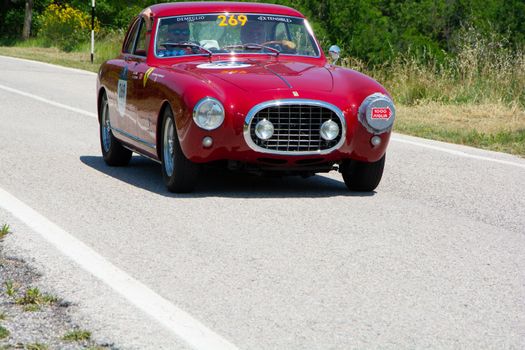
(381, 113)
(232, 20)
(122, 91)
(146, 76)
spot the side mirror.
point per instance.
(335, 53)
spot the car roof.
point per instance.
(202, 7)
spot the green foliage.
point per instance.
(77, 335)
(33, 299)
(375, 31)
(4, 333)
(10, 288)
(64, 26)
(4, 230)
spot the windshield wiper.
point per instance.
(253, 46)
(188, 44)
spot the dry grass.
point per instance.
(495, 127)
(106, 48)
(485, 118)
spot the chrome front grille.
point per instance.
(297, 125)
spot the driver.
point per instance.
(177, 33)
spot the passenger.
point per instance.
(253, 32)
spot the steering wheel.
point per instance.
(282, 45)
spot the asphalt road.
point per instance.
(434, 258)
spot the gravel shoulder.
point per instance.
(32, 319)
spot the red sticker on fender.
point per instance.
(381, 113)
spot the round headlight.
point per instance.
(264, 129)
(208, 113)
(329, 130)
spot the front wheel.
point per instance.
(113, 152)
(178, 172)
(362, 176)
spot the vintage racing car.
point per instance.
(244, 85)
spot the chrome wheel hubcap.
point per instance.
(106, 128)
(168, 146)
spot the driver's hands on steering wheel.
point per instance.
(285, 46)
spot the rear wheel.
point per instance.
(362, 176)
(179, 173)
(113, 152)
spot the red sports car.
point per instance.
(244, 85)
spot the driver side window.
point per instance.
(141, 48)
(130, 40)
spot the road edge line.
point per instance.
(176, 320)
(45, 100)
(456, 152)
(78, 70)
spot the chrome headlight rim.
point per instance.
(199, 105)
(377, 126)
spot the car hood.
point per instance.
(257, 75)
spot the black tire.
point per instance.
(113, 152)
(362, 176)
(179, 173)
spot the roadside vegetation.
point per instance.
(456, 69)
(31, 319)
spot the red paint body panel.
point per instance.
(178, 83)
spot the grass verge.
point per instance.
(495, 127)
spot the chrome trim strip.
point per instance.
(286, 102)
(280, 77)
(142, 154)
(134, 138)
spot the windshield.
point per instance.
(234, 33)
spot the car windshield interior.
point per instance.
(234, 33)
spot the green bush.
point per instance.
(64, 26)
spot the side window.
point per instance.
(130, 40)
(142, 46)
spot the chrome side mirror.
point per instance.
(335, 53)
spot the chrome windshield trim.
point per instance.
(286, 102)
(134, 138)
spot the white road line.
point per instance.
(49, 65)
(457, 153)
(45, 100)
(194, 333)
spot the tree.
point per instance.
(27, 20)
